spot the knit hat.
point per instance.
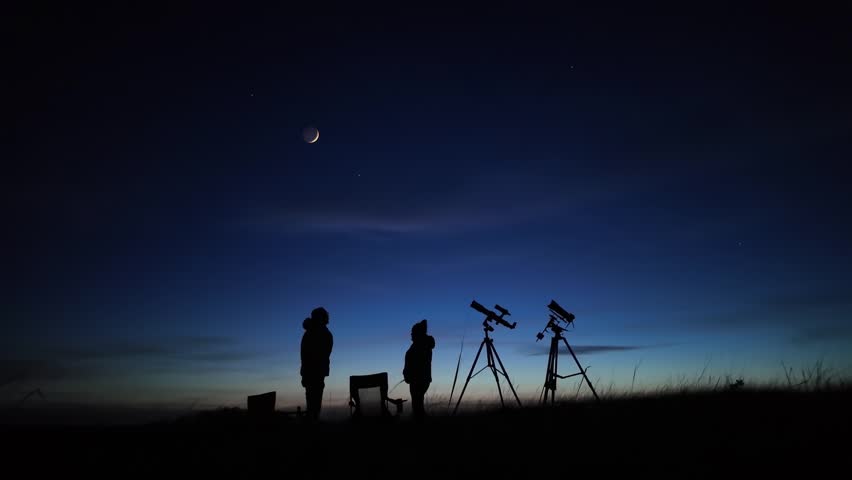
(419, 328)
(320, 315)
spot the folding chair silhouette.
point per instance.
(262, 404)
(368, 396)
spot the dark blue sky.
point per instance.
(677, 178)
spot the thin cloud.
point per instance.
(23, 370)
(182, 354)
(435, 220)
(203, 348)
(111, 351)
(823, 334)
(792, 304)
(484, 201)
(811, 300)
(479, 201)
(802, 312)
(588, 349)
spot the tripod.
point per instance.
(490, 355)
(553, 364)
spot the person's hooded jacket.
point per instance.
(418, 358)
(317, 343)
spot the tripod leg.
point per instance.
(494, 371)
(555, 372)
(506, 374)
(589, 383)
(544, 389)
(548, 377)
(478, 352)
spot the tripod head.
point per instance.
(492, 317)
(559, 321)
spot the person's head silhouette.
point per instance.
(320, 315)
(418, 330)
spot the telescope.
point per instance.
(559, 320)
(567, 317)
(491, 316)
(490, 354)
(553, 324)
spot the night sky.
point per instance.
(678, 179)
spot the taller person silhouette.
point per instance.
(317, 343)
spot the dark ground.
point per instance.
(720, 433)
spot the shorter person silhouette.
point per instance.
(418, 367)
(316, 351)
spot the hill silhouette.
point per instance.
(727, 432)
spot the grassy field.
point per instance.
(769, 430)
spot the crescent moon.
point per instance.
(315, 138)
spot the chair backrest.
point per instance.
(368, 395)
(263, 404)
